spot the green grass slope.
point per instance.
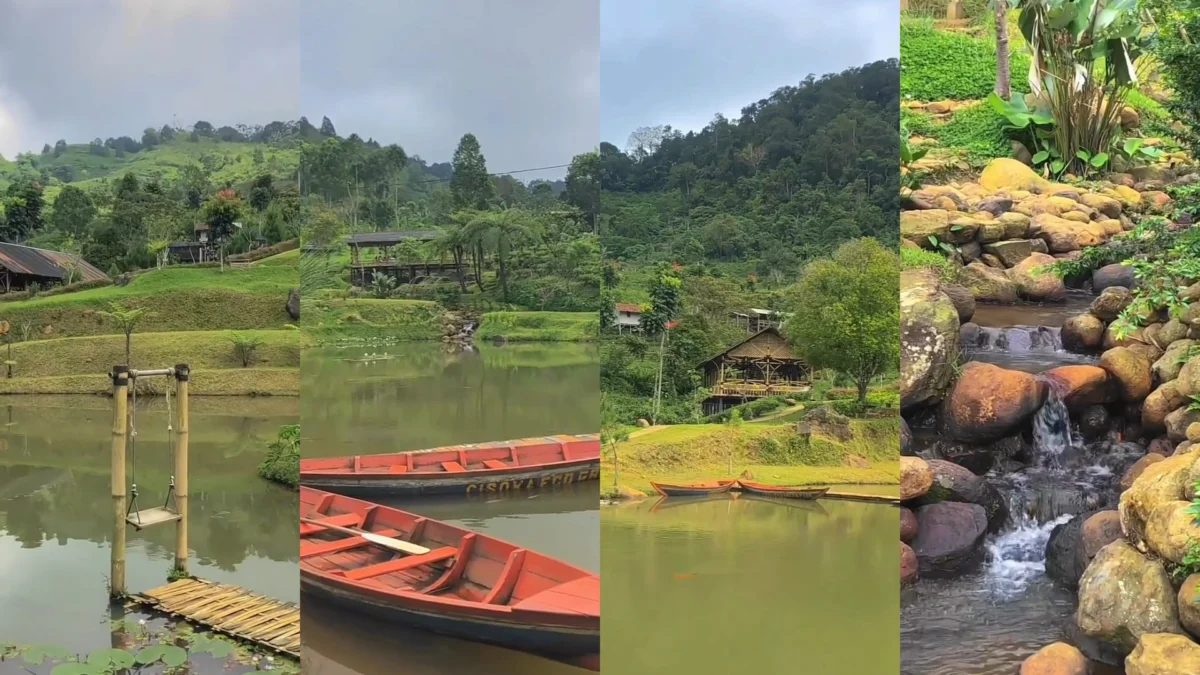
(540, 326)
(178, 299)
(229, 162)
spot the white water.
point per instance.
(1052, 438)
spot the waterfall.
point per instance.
(1019, 339)
(1052, 427)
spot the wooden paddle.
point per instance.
(377, 539)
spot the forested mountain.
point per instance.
(523, 245)
(703, 225)
(799, 172)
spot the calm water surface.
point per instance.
(55, 506)
(747, 585)
(417, 396)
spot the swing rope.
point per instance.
(170, 450)
(133, 490)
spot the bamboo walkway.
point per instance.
(230, 610)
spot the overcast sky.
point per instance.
(77, 70)
(524, 77)
(679, 62)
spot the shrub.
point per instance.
(848, 407)
(244, 347)
(937, 65)
(979, 130)
(919, 258)
(282, 463)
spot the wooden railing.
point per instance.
(755, 390)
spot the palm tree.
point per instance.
(503, 227)
(454, 241)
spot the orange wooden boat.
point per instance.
(467, 585)
(782, 490)
(526, 464)
(693, 490)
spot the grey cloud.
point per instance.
(680, 61)
(77, 70)
(522, 76)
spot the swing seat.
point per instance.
(154, 516)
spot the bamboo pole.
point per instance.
(182, 375)
(120, 379)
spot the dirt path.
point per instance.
(647, 430)
(780, 413)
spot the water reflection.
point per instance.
(427, 396)
(750, 585)
(55, 510)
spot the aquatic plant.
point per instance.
(282, 463)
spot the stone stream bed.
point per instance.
(1048, 460)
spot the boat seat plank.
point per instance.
(566, 598)
(452, 575)
(399, 468)
(407, 562)
(453, 467)
(310, 549)
(495, 464)
(503, 589)
(342, 520)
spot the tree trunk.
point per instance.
(1003, 74)
(458, 263)
(863, 381)
(479, 265)
(503, 274)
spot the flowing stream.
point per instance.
(989, 621)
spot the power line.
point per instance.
(498, 173)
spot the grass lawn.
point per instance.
(177, 298)
(367, 318)
(698, 452)
(540, 326)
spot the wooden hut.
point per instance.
(23, 266)
(762, 365)
(371, 253)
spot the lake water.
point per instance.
(751, 586)
(55, 510)
(420, 395)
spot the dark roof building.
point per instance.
(21, 266)
(369, 239)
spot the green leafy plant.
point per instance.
(382, 285)
(909, 179)
(1135, 150)
(944, 246)
(244, 347)
(1084, 56)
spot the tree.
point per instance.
(23, 204)
(221, 213)
(244, 347)
(60, 148)
(45, 149)
(645, 141)
(1003, 76)
(262, 190)
(323, 229)
(504, 227)
(203, 128)
(327, 128)
(73, 211)
(127, 319)
(665, 296)
(470, 186)
(149, 137)
(847, 310)
(583, 186)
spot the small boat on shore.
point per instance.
(408, 569)
(783, 491)
(526, 464)
(694, 489)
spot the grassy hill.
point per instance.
(230, 162)
(772, 453)
(178, 299)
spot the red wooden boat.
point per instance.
(782, 490)
(693, 490)
(467, 585)
(526, 464)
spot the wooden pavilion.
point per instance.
(387, 262)
(762, 365)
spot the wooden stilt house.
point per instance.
(762, 365)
